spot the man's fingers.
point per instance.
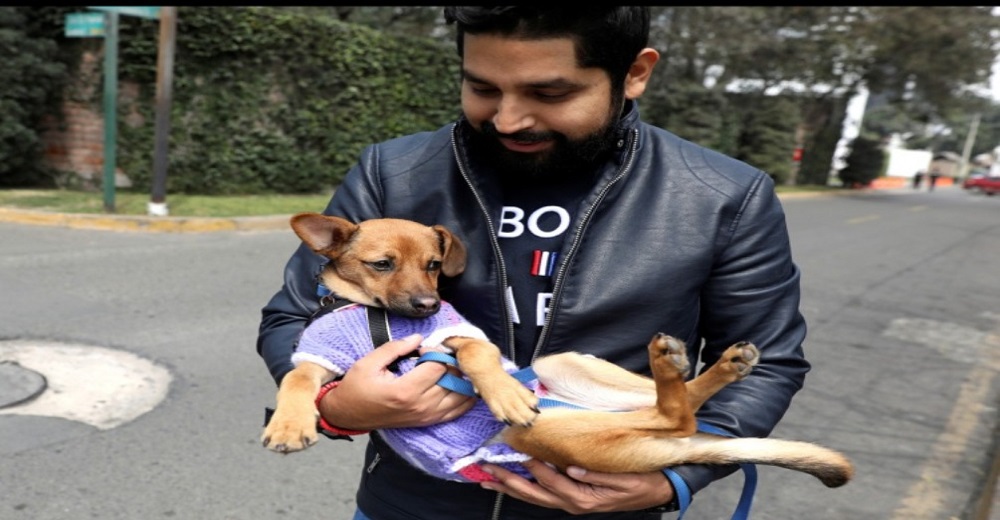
(390, 351)
(578, 473)
(426, 374)
(519, 487)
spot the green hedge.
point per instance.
(272, 101)
(32, 81)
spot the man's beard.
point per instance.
(565, 158)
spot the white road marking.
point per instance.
(98, 386)
(862, 219)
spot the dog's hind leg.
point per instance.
(669, 362)
(615, 441)
(660, 436)
(735, 364)
(597, 384)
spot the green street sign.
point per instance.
(140, 11)
(83, 25)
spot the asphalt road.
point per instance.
(901, 290)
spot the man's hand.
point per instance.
(370, 396)
(581, 491)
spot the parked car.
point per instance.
(987, 185)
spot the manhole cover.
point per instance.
(18, 384)
(102, 387)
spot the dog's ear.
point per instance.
(454, 252)
(324, 235)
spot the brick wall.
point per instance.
(74, 144)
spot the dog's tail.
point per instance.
(829, 466)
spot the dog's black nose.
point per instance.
(425, 305)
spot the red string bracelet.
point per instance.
(322, 422)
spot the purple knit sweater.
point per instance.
(451, 450)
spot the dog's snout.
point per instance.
(425, 305)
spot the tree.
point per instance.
(864, 164)
(925, 58)
(920, 60)
(30, 77)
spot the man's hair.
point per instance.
(609, 38)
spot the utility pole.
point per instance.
(110, 107)
(963, 169)
(157, 205)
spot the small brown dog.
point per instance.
(394, 264)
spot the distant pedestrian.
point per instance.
(935, 174)
(917, 178)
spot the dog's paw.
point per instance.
(668, 353)
(285, 434)
(510, 401)
(740, 358)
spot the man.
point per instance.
(587, 230)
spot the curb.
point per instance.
(144, 223)
(984, 504)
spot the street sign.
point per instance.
(140, 11)
(82, 25)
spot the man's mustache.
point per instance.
(525, 136)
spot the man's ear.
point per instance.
(640, 72)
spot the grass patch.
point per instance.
(130, 203)
(806, 189)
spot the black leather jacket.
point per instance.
(673, 238)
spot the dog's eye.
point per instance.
(434, 265)
(381, 265)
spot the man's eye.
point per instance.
(484, 91)
(550, 96)
(381, 265)
(434, 265)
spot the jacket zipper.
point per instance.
(498, 256)
(494, 243)
(496, 506)
(375, 460)
(560, 275)
(578, 238)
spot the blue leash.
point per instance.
(463, 386)
(742, 512)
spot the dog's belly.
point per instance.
(592, 383)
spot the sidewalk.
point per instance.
(143, 223)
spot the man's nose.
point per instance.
(513, 115)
